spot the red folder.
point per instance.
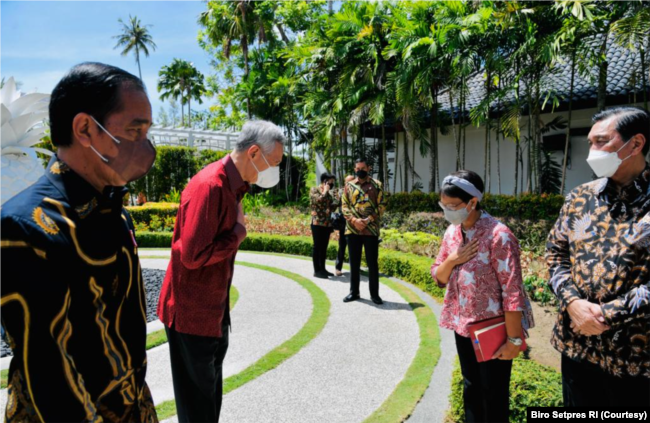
(488, 336)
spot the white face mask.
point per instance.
(605, 164)
(269, 177)
(455, 217)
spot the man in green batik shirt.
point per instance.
(363, 206)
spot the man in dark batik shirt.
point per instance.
(73, 301)
(599, 259)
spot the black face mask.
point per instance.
(331, 185)
(362, 174)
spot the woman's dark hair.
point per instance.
(92, 88)
(455, 192)
(630, 121)
(326, 177)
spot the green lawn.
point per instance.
(3, 378)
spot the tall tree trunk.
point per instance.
(333, 168)
(182, 113)
(282, 33)
(413, 141)
(384, 155)
(406, 162)
(300, 175)
(244, 46)
(463, 110)
(287, 172)
(433, 165)
(602, 74)
(346, 160)
(539, 150)
(137, 59)
(396, 173)
(453, 126)
(189, 110)
(498, 134)
(516, 165)
(643, 78)
(530, 141)
(568, 129)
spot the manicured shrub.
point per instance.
(154, 239)
(531, 385)
(154, 217)
(525, 206)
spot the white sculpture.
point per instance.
(22, 127)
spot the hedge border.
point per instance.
(526, 206)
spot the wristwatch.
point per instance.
(516, 341)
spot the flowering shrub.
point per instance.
(531, 234)
(280, 221)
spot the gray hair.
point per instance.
(262, 133)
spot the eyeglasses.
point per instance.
(442, 206)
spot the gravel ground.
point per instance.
(153, 279)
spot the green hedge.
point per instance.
(409, 267)
(156, 217)
(174, 166)
(526, 206)
(531, 385)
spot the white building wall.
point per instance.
(578, 171)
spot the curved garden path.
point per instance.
(270, 310)
(299, 354)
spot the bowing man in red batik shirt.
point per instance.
(194, 301)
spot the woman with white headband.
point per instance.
(479, 265)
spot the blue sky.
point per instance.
(41, 41)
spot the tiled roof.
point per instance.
(619, 82)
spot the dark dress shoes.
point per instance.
(377, 300)
(321, 275)
(350, 297)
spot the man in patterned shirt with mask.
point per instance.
(599, 258)
(363, 206)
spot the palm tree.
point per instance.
(633, 33)
(421, 70)
(226, 22)
(169, 82)
(181, 80)
(136, 37)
